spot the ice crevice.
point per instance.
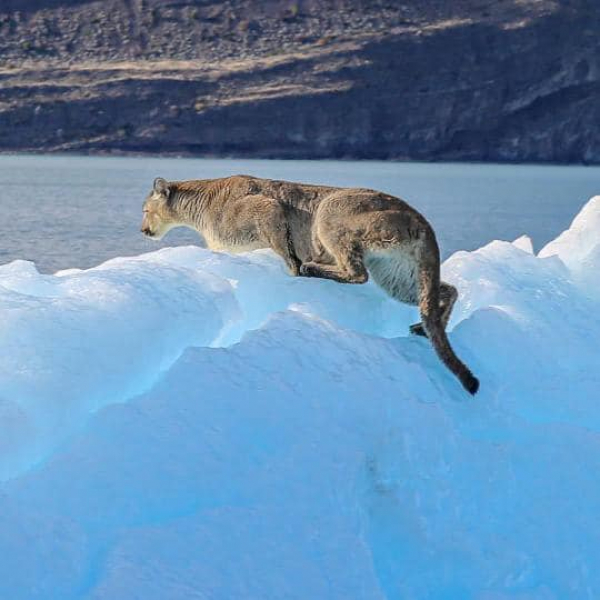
(187, 422)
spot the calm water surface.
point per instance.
(65, 211)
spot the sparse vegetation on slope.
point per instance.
(476, 80)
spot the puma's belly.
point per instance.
(246, 246)
(396, 272)
(235, 244)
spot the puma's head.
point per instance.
(158, 217)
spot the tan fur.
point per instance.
(343, 234)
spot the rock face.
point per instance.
(517, 80)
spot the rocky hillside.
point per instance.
(502, 80)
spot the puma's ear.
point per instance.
(161, 186)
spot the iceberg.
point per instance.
(187, 424)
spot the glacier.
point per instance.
(188, 424)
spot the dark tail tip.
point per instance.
(471, 384)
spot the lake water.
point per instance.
(65, 211)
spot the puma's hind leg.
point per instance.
(337, 253)
(349, 271)
(448, 296)
(347, 265)
(321, 271)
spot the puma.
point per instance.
(343, 234)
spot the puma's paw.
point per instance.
(308, 270)
(418, 329)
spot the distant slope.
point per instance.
(517, 80)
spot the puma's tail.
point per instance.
(429, 306)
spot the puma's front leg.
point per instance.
(273, 229)
(281, 242)
(294, 265)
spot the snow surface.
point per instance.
(186, 424)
